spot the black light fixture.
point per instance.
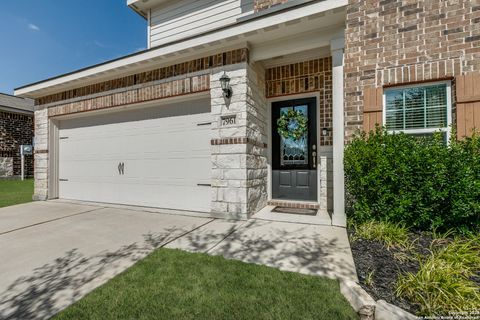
(325, 132)
(225, 82)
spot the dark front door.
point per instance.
(294, 150)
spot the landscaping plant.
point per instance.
(422, 182)
(444, 281)
(387, 233)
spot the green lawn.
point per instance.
(15, 192)
(172, 284)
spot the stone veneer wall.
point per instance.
(6, 167)
(393, 42)
(239, 151)
(257, 130)
(16, 129)
(41, 155)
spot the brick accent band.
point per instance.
(160, 91)
(294, 204)
(313, 76)
(237, 140)
(301, 77)
(206, 63)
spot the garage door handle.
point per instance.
(121, 168)
(204, 185)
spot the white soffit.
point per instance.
(142, 6)
(259, 33)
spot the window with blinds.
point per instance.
(418, 109)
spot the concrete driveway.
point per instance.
(53, 253)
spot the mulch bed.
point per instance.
(387, 265)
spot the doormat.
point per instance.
(305, 212)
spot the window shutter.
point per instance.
(372, 108)
(468, 104)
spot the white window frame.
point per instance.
(447, 129)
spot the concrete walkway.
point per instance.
(53, 253)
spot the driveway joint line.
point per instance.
(187, 232)
(226, 236)
(152, 210)
(48, 221)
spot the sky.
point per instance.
(40, 39)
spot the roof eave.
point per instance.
(180, 49)
(138, 11)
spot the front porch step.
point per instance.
(294, 204)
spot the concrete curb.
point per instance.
(367, 308)
(359, 299)
(387, 311)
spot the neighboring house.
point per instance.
(156, 129)
(16, 129)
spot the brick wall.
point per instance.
(15, 130)
(265, 4)
(303, 77)
(202, 64)
(146, 93)
(393, 42)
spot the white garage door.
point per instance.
(155, 157)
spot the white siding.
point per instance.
(182, 19)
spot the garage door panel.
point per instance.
(194, 169)
(98, 191)
(166, 155)
(171, 196)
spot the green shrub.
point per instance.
(420, 182)
(443, 283)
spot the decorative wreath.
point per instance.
(292, 124)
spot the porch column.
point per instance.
(338, 217)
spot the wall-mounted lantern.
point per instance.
(325, 132)
(227, 89)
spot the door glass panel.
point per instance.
(292, 151)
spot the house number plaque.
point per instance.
(229, 120)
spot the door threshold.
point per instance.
(294, 204)
(322, 217)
